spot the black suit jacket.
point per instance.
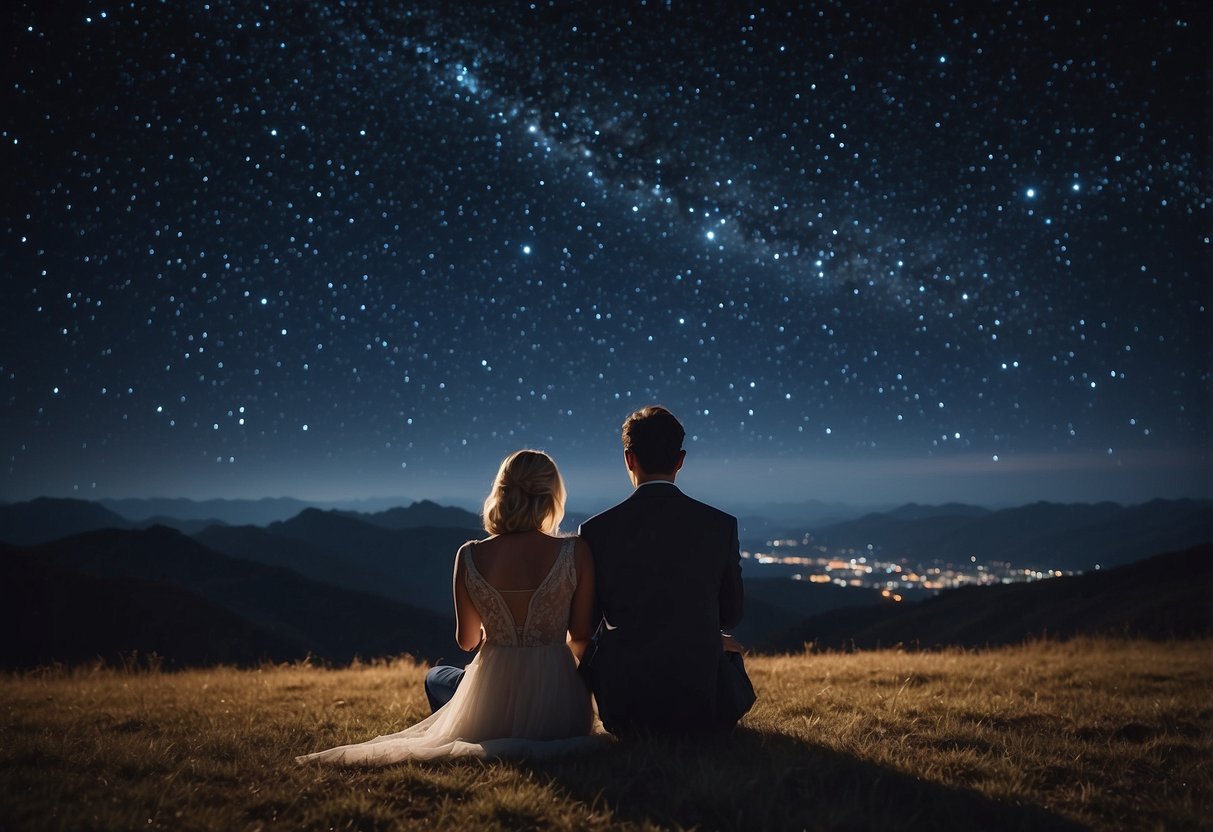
(667, 572)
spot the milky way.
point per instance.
(345, 249)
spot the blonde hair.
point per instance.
(527, 494)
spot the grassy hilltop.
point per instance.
(1100, 734)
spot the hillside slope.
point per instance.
(409, 565)
(276, 613)
(1094, 735)
(60, 615)
(48, 518)
(1160, 597)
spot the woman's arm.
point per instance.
(581, 624)
(468, 626)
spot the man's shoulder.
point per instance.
(626, 510)
(601, 518)
(704, 513)
(722, 516)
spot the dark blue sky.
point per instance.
(955, 251)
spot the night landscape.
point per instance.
(928, 286)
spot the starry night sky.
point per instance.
(341, 250)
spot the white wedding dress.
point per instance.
(520, 696)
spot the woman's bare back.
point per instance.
(515, 565)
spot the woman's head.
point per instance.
(528, 494)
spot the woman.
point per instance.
(524, 597)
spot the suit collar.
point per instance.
(656, 488)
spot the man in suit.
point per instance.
(668, 582)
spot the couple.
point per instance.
(632, 610)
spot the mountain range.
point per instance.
(79, 581)
(260, 512)
(234, 512)
(411, 565)
(242, 512)
(49, 518)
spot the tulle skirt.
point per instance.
(512, 702)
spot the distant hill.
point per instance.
(47, 518)
(267, 611)
(1160, 597)
(185, 526)
(262, 512)
(1075, 536)
(799, 515)
(61, 615)
(761, 522)
(776, 605)
(313, 561)
(411, 565)
(50, 518)
(237, 512)
(422, 513)
(918, 511)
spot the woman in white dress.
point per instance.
(523, 596)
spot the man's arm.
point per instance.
(581, 625)
(732, 596)
(596, 605)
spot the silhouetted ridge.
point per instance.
(72, 617)
(288, 616)
(253, 512)
(48, 518)
(776, 605)
(1166, 596)
(918, 511)
(1041, 535)
(419, 514)
(411, 565)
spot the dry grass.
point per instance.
(1085, 734)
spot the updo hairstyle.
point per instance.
(528, 494)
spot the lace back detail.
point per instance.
(547, 619)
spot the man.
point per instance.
(668, 581)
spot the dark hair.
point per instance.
(654, 436)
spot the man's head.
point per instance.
(652, 443)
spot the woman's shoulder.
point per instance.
(464, 552)
(581, 548)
